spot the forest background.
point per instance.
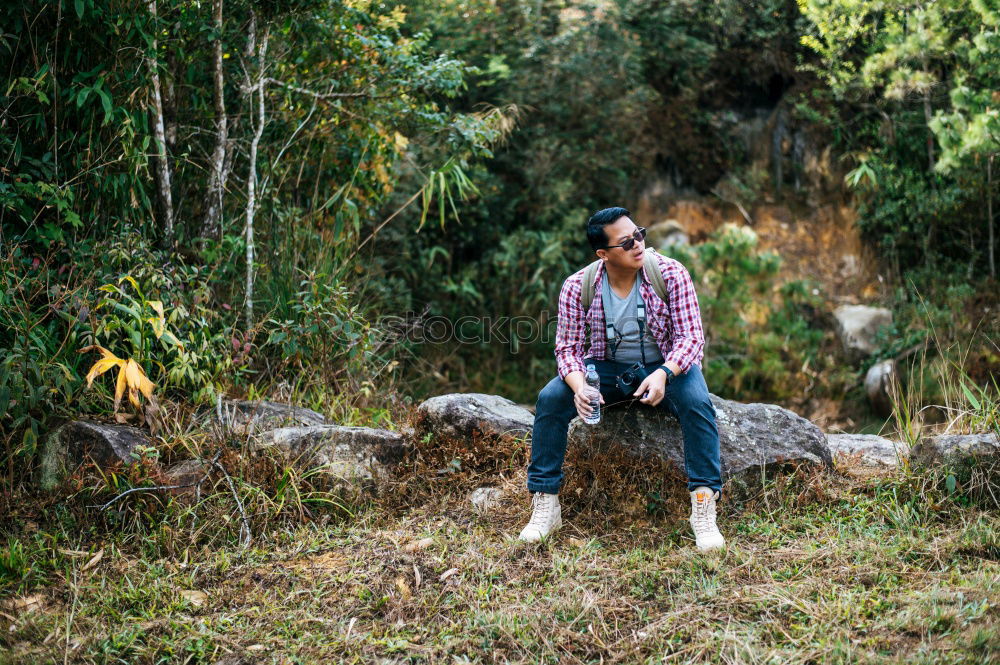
(236, 195)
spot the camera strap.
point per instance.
(611, 332)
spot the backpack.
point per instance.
(649, 262)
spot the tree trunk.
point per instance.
(989, 213)
(252, 176)
(162, 166)
(211, 225)
(930, 134)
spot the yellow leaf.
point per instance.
(133, 396)
(120, 388)
(131, 280)
(158, 325)
(404, 589)
(137, 382)
(100, 367)
(156, 305)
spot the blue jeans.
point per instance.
(686, 399)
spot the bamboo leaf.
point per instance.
(972, 398)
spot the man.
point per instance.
(629, 323)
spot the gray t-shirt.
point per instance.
(623, 313)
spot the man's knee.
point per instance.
(556, 395)
(693, 396)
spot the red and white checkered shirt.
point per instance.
(675, 324)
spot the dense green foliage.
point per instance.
(910, 97)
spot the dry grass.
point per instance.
(843, 567)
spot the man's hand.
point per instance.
(653, 388)
(581, 399)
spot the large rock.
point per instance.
(753, 437)
(348, 454)
(262, 415)
(868, 448)
(70, 445)
(857, 326)
(460, 415)
(667, 234)
(957, 450)
(878, 387)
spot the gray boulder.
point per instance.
(857, 326)
(868, 448)
(459, 415)
(753, 437)
(73, 443)
(261, 415)
(878, 387)
(667, 233)
(957, 450)
(348, 454)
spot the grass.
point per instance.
(841, 567)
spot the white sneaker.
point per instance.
(546, 517)
(706, 534)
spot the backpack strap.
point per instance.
(587, 287)
(652, 265)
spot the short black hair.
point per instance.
(595, 225)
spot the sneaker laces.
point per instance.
(540, 510)
(702, 515)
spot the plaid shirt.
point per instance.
(675, 325)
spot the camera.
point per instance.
(629, 380)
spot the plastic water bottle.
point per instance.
(594, 383)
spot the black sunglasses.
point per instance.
(638, 236)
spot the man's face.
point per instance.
(617, 233)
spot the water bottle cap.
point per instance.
(591, 366)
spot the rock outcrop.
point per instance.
(73, 443)
(753, 437)
(857, 326)
(878, 386)
(461, 415)
(667, 234)
(349, 455)
(868, 448)
(957, 450)
(261, 415)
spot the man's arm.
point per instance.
(688, 335)
(570, 331)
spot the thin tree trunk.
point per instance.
(930, 134)
(989, 213)
(159, 135)
(211, 226)
(252, 177)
